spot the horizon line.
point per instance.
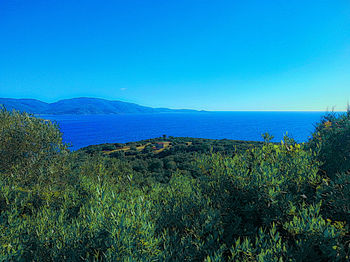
(199, 110)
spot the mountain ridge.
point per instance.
(81, 106)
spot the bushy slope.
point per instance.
(274, 202)
(149, 162)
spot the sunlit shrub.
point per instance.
(27, 144)
(190, 227)
(331, 141)
(109, 227)
(256, 188)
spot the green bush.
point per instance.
(331, 141)
(256, 188)
(189, 226)
(27, 144)
(109, 227)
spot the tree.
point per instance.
(331, 141)
(27, 143)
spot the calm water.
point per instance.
(84, 130)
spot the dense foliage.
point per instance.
(158, 165)
(251, 202)
(331, 141)
(28, 145)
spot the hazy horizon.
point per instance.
(325, 110)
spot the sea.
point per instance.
(83, 130)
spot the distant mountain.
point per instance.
(81, 106)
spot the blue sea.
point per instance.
(84, 130)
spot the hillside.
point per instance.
(157, 159)
(173, 198)
(81, 106)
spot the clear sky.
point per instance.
(212, 55)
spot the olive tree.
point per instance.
(27, 144)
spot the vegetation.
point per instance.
(207, 200)
(156, 160)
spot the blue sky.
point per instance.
(212, 55)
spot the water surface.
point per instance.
(84, 130)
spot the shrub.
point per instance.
(109, 227)
(331, 141)
(27, 144)
(189, 226)
(256, 188)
